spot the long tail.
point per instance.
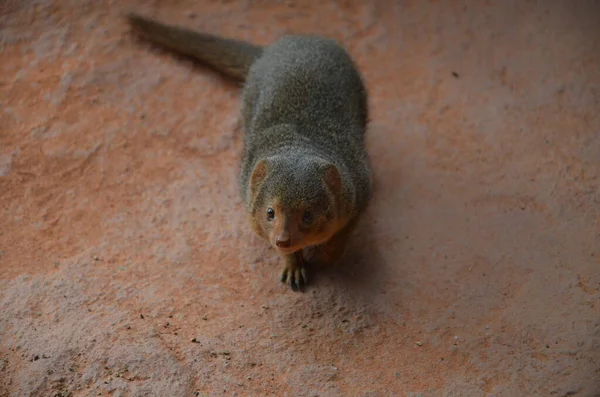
(228, 56)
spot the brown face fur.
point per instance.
(295, 211)
(288, 225)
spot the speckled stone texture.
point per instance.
(127, 267)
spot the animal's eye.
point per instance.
(270, 213)
(307, 217)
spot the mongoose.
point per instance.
(305, 174)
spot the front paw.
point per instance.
(295, 276)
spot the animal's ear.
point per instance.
(259, 173)
(333, 179)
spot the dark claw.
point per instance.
(296, 278)
(300, 278)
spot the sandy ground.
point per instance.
(127, 267)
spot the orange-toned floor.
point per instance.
(127, 267)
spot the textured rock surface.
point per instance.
(122, 238)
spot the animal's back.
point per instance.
(311, 85)
(305, 80)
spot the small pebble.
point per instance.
(419, 343)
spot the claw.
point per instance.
(295, 277)
(304, 276)
(300, 280)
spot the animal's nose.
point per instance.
(283, 243)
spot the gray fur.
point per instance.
(304, 102)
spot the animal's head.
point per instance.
(295, 201)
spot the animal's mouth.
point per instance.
(297, 247)
(286, 250)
